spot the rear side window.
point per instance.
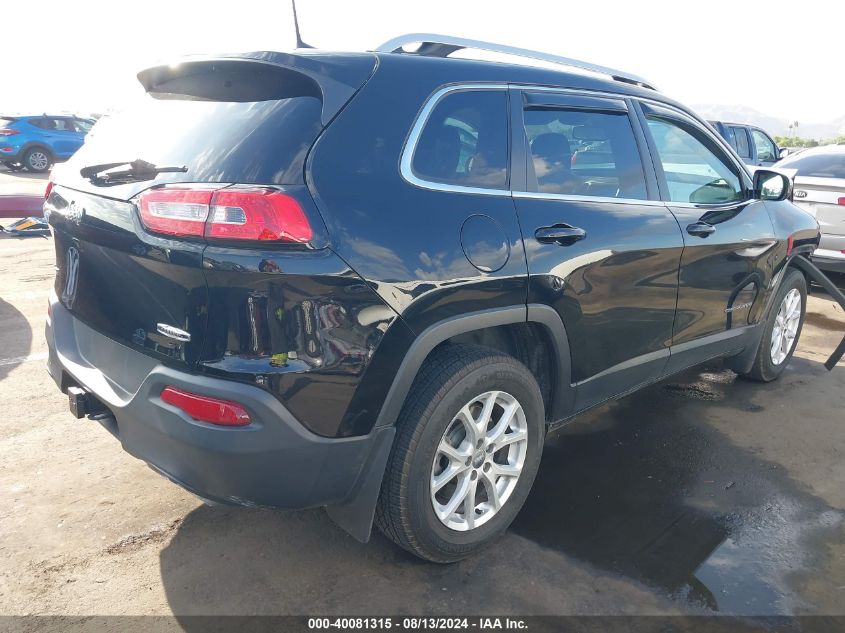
(696, 170)
(43, 123)
(741, 142)
(465, 141)
(578, 152)
(821, 165)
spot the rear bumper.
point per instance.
(274, 461)
(828, 259)
(10, 157)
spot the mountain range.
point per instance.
(773, 125)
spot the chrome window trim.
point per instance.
(407, 156)
(408, 151)
(538, 195)
(711, 207)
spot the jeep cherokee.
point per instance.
(375, 281)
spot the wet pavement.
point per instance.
(649, 489)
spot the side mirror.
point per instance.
(772, 185)
(783, 152)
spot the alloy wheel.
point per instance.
(38, 160)
(786, 326)
(479, 460)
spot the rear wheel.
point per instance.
(37, 160)
(782, 329)
(466, 453)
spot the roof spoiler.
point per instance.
(262, 76)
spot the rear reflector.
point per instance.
(790, 243)
(248, 213)
(205, 408)
(841, 201)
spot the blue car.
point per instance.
(36, 142)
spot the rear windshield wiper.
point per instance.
(138, 170)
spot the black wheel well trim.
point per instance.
(435, 334)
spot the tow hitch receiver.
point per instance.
(83, 403)
(820, 278)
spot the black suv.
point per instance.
(375, 281)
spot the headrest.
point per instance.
(552, 147)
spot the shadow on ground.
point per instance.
(15, 338)
(640, 500)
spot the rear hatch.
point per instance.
(221, 123)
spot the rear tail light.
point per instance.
(7, 131)
(174, 211)
(256, 213)
(48, 189)
(841, 201)
(206, 408)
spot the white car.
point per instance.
(820, 190)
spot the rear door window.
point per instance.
(696, 170)
(584, 153)
(741, 142)
(65, 125)
(465, 141)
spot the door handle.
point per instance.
(701, 229)
(562, 234)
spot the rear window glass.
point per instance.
(261, 142)
(578, 152)
(465, 141)
(821, 165)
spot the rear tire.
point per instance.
(37, 160)
(466, 453)
(782, 329)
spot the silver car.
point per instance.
(820, 190)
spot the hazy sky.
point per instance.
(782, 58)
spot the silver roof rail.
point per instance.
(433, 45)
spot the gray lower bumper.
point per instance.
(274, 461)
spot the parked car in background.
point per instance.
(754, 146)
(36, 142)
(374, 282)
(820, 189)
